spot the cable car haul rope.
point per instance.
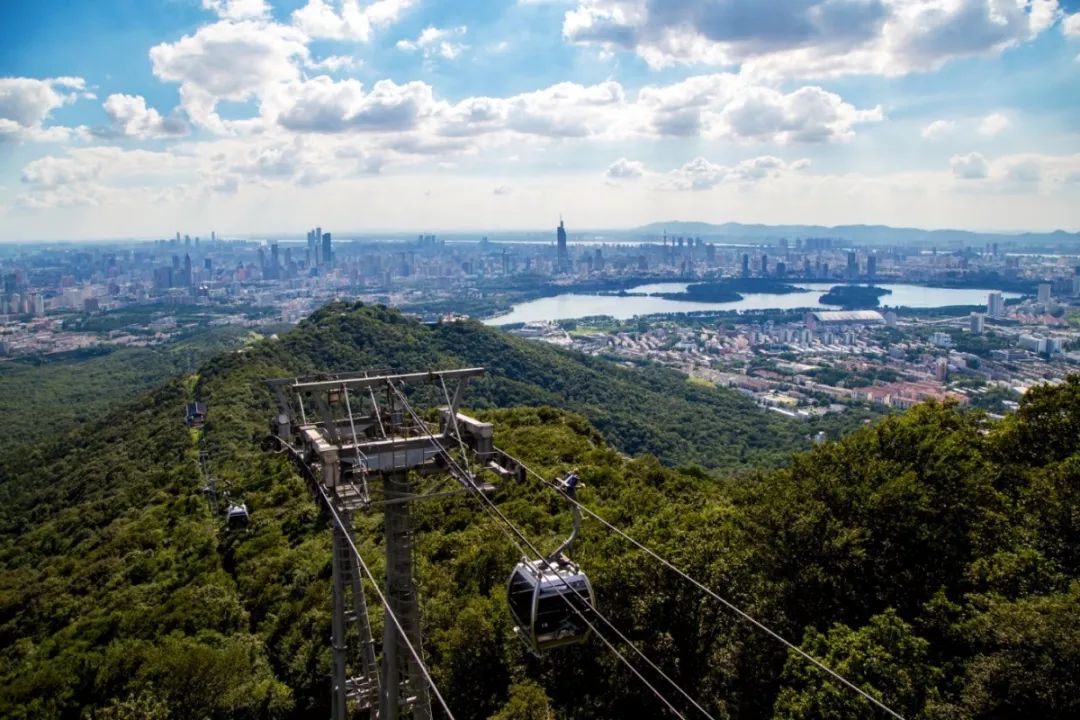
(551, 600)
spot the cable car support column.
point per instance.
(400, 669)
(337, 630)
(349, 605)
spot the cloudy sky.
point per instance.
(138, 118)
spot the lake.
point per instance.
(573, 305)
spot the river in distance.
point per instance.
(571, 306)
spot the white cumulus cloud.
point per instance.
(1022, 173)
(1071, 25)
(94, 175)
(436, 42)
(939, 129)
(712, 107)
(808, 114)
(234, 61)
(726, 105)
(972, 166)
(702, 174)
(320, 19)
(334, 63)
(992, 124)
(131, 117)
(27, 103)
(50, 171)
(722, 106)
(238, 9)
(324, 105)
(623, 169)
(808, 37)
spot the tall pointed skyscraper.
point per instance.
(564, 255)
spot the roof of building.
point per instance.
(848, 316)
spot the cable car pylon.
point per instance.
(360, 452)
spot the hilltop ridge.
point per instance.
(649, 409)
(883, 234)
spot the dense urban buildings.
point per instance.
(1022, 326)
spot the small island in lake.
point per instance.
(730, 290)
(854, 297)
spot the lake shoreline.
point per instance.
(650, 300)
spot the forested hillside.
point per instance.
(933, 558)
(42, 397)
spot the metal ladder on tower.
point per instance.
(354, 649)
(399, 668)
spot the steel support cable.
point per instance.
(453, 417)
(378, 415)
(491, 507)
(712, 593)
(385, 602)
(356, 443)
(303, 415)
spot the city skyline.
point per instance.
(119, 120)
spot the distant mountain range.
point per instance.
(878, 234)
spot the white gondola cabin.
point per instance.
(549, 602)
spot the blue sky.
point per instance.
(121, 118)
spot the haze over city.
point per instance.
(126, 119)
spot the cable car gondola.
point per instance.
(237, 516)
(551, 598)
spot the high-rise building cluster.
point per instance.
(18, 299)
(320, 252)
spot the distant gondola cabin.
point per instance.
(195, 414)
(237, 516)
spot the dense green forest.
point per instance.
(933, 558)
(41, 397)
